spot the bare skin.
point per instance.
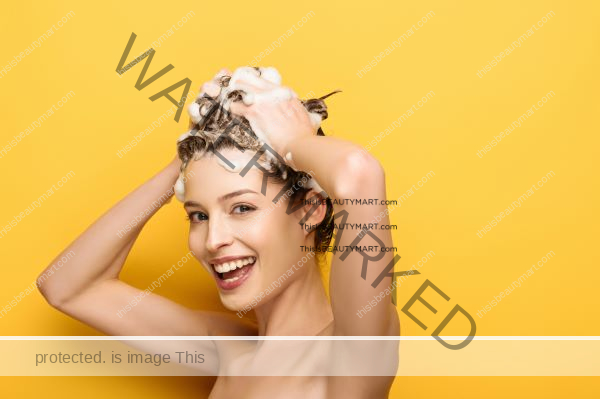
(88, 286)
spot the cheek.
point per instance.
(278, 226)
(278, 233)
(196, 243)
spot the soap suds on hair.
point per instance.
(210, 117)
(237, 168)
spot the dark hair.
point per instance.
(205, 136)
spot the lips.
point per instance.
(231, 271)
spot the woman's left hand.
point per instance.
(280, 119)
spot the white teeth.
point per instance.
(236, 264)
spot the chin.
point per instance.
(243, 300)
(247, 296)
(242, 292)
(237, 303)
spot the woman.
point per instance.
(248, 234)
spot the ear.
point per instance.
(314, 211)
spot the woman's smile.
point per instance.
(232, 271)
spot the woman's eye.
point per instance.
(242, 209)
(196, 217)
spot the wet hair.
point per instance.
(206, 134)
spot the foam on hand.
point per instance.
(254, 77)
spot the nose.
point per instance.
(219, 235)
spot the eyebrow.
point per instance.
(222, 198)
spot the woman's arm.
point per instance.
(345, 171)
(87, 286)
(99, 251)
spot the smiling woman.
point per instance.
(253, 153)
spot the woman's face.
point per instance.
(242, 238)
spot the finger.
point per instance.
(211, 88)
(276, 94)
(270, 74)
(249, 91)
(248, 98)
(238, 108)
(221, 73)
(246, 86)
(250, 76)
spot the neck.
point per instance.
(302, 308)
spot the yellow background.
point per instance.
(341, 37)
